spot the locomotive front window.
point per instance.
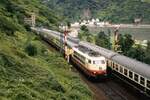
(93, 62)
(99, 62)
(102, 61)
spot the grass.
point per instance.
(45, 76)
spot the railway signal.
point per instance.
(67, 50)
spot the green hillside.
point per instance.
(28, 70)
(42, 76)
(116, 11)
(13, 12)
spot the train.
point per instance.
(91, 63)
(131, 71)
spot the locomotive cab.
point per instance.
(97, 66)
(92, 63)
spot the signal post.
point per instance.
(68, 51)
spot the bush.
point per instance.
(7, 25)
(31, 50)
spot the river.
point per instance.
(137, 33)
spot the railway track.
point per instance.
(116, 91)
(108, 89)
(112, 93)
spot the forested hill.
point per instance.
(113, 10)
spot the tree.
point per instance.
(103, 40)
(31, 50)
(90, 39)
(147, 58)
(84, 28)
(68, 24)
(84, 33)
(136, 53)
(147, 53)
(148, 47)
(7, 25)
(126, 42)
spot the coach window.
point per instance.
(142, 80)
(83, 58)
(76, 53)
(125, 71)
(121, 69)
(136, 77)
(89, 61)
(75, 56)
(113, 65)
(117, 67)
(148, 84)
(130, 74)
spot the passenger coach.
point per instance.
(135, 73)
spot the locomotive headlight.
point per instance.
(100, 68)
